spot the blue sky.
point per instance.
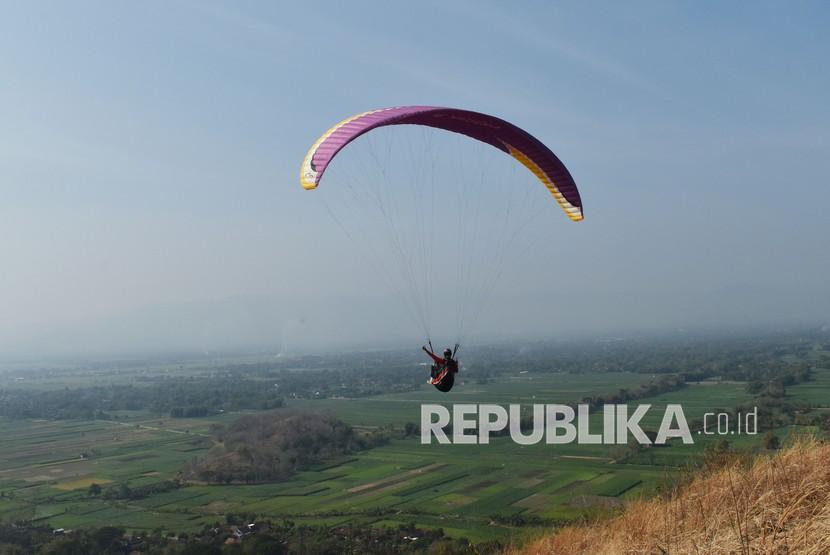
(149, 155)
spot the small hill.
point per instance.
(271, 446)
(775, 504)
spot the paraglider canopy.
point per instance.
(488, 129)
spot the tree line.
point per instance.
(282, 538)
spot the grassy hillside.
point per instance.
(775, 504)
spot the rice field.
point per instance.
(473, 491)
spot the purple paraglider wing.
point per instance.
(501, 134)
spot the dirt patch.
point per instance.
(218, 507)
(459, 501)
(479, 486)
(570, 487)
(589, 501)
(38, 478)
(396, 479)
(535, 501)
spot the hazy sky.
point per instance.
(150, 151)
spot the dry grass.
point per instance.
(82, 483)
(777, 504)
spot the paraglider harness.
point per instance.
(442, 375)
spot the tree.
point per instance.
(262, 544)
(202, 549)
(107, 538)
(94, 490)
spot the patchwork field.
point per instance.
(475, 491)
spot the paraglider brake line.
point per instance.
(454, 349)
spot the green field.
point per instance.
(467, 490)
